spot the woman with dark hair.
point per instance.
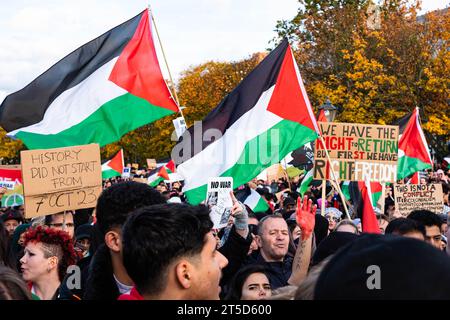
(48, 254)
(5, 258)
(250, 283)
(12, 287)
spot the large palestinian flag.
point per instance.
(104, 89)
(413, 153)
(263, 119)
(114, 166)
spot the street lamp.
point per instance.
(329, 110)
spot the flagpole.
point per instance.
(334, 177)
(322, 205)
(167, 65)
(287, 176)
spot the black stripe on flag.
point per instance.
(243, 98)
(28, 105)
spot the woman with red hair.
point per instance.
(48, 252)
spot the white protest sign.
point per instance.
(219, 201)
(180, 126)
(126, 172)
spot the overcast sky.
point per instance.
(35, 34)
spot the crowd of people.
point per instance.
(142, 242)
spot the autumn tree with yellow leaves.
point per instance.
(375, 62)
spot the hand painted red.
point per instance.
(306, 216)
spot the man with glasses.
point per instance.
(61, 221)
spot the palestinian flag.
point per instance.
(307, 179)
(352, 191)
(102, 90)
(263, 119)
(413, 154)
(369, 220)
(447, 161)
(255, 202)
(162, 174)
(113, 167)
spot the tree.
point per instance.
(375, 68)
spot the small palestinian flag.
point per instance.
(413, 153)
(307, 179)
(162, 174)
(255, 202)
(369, 219)
(99, 92)
(352, 191)
(113, 167)
(264, 118)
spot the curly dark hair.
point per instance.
(54, 243)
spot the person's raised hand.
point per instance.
(305, 216)
(239, 212)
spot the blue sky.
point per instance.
(37, 33)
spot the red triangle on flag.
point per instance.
(163, 173)
(369, 219)
(289, 99)
(322, 117)
(413, 142)
(137, 69)
(116, 163)
(171, 166)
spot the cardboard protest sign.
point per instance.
(11, 181)
(219, 201)
(151, 163)
(275, 172)
(410, 197)
(61, 179)
(358, 152)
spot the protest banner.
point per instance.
(410, 197)
(11, 181)
(275, 172)
(151, 163)
(358, 152)
(219, 201)
(61, 179)
(180, 126)
(141, 180)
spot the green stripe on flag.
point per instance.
(307, 179)
(407, 166)
(253, 160)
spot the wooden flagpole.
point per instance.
(167, 66)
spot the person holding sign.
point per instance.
(48, 254)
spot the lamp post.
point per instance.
(330, 112)
(329, 109)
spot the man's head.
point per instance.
(170, 252)
(11, 219)
(273, 238)
(116, 202)
(383, 222)
(61, 221)
(407, 228)
(432, 224)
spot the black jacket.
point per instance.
(100, 283)
(235, 249)
(277, 272)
